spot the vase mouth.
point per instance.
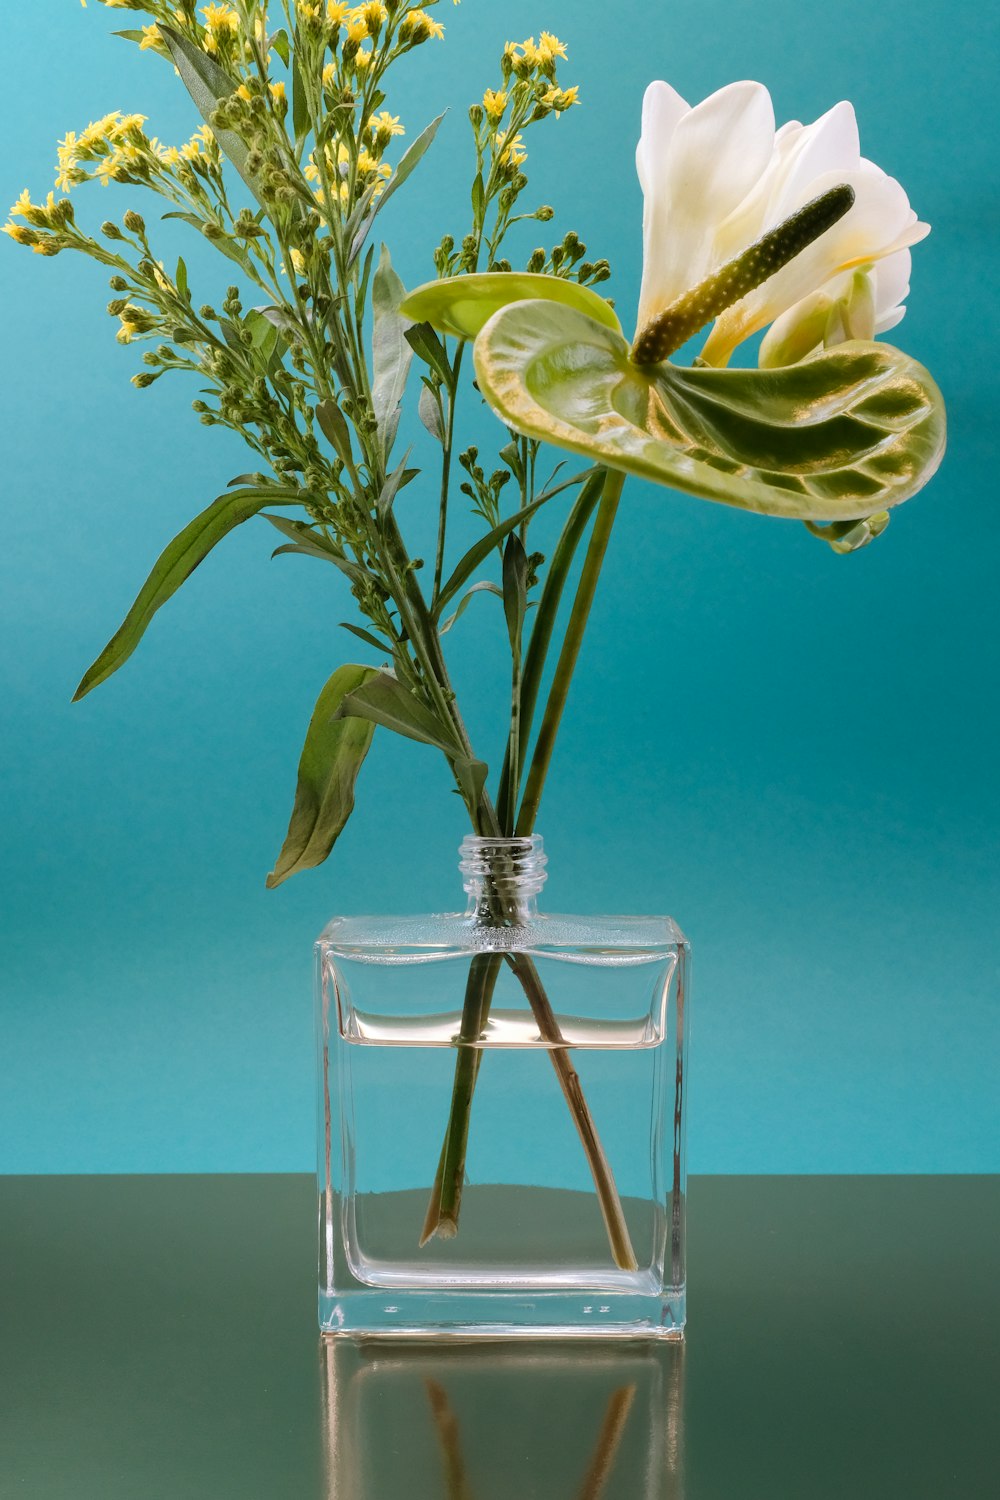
(512, 868)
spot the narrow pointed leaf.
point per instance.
(849, 431)
(177, 562)
(334, 427)
(331, 758)
(391, 354)
(482, 549)
(407, 162)
(462, 305)
(384, 700)
(394, 483)
(207, 83)
(515, 590)
(369, 639)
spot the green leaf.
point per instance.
(427, 346)
(471, 776)
(394, 483)
(482, 549)
(231, 251)
(382, 647)
(391, 354)
(334, 428)
(462, 305)
(848, 431)
(181, 278)
(207, 83)
(407, 162)
(429, 411)
(177, 562)
(280, 43)
(483, 587)
(331, 758)
(515, 590)
(384, 700)
(301, 122)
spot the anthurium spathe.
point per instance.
(746, 225)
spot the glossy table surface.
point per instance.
(157, 1340)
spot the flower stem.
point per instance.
(559, 691)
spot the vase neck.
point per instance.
(503, 877)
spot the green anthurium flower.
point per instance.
(834, 428)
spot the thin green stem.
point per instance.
(559, 691)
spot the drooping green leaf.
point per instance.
(207, 84)
(384, 700)
(480, 550)
(229, 249)
(331, 758)
(848, 431)
(483, 587)
(177, 562)
(407, 162)
(462, 305)
(391, 354)
(305, 538)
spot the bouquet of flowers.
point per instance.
(317, 344)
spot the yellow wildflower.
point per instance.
(244, 93)
(550, 47)
(329, 75)
(371, 16)
(308, 11)
(21, 234)
(385, 126)
(220, 18)
(170, 156)
(418, 26)
(96, 131)
(363, 58)
(561, 99)
(356, 28)
(191, 150)
(152, 37)
(279, 96)
(298, 261)
(368, 163)
(38, 214)
(494, 103)
(510, 150)
(106, 169)
(124, 125)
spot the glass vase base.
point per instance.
(504, 1315)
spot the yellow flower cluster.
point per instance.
(51, 216)
(526, 58)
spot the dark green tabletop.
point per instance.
(157, 1340)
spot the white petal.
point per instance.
(716, 154)
(662, 108)
(892, 281)
(889, 320)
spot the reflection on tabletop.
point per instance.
(488, 1421)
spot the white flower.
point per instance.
(717, 176)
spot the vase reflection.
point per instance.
(488, 1421)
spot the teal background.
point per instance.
(792, 752)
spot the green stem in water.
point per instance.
(446, 1194)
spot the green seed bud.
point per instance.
(545, 213)
(134, 222)
(118, 284)
(111, 231)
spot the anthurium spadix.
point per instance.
(743, 224)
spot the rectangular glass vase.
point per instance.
(539, 1061)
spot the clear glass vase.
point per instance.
(501, 1116)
